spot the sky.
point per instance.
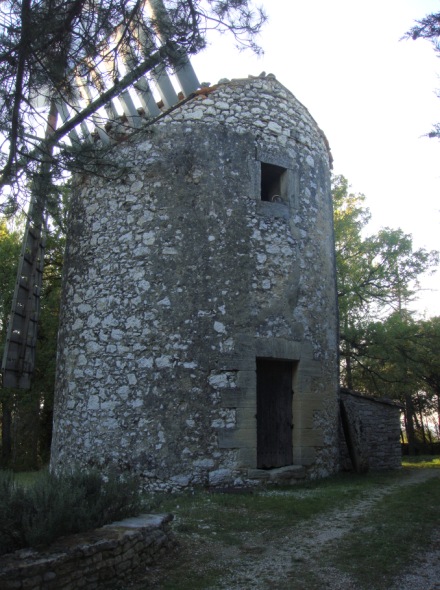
(373, 95)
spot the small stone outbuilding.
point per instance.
(198, 340)
(370, 432)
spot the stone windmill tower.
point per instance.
(198, 338)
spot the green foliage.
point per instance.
(58, 505)
(384, 350)
(10, 244)
(10, 241)
(378, 272)
(428, 28)
(27, 415)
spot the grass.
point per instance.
(386, 539)
(230, 515)
(422, 461)
(217, 529)
(242, 523)
(27, 478)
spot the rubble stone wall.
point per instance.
(374, 432)
(178, 276)
(90, 560)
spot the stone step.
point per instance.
(287, 474)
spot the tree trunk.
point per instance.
(409, 424)
(6, 420)
(421, 425)
(438, 415)
(349, 373)
(347, 358)
(25, 428)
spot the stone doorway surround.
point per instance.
(306, 437)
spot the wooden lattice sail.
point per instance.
(93, 94)
(19, 356)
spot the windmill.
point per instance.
(88, 118)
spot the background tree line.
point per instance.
(26, 415)
(385, 350)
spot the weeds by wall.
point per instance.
(58, 505)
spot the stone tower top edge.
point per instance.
(257, 105)
(271, 77)
(242, 103)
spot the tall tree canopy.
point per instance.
(428, 28)
(384, 350)
(376, 273)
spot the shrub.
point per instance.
(58, 505)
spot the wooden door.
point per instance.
(274, 413)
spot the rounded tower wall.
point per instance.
(215, 250)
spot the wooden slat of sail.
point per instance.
(182, 67)
(65, 115)
(141, 87)
(18, 361)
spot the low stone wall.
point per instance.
(90, 560)
(370, 433)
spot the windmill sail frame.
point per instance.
(18, 362)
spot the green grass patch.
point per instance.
(27, 478)
(230, 515)
(384, 541)
(211, 523)
(422, 461)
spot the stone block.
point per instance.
(246, 419)
(233, 439)
(247, 380)
(238, 398)
(258, 474)
(311, 438)
(304, 455)
(247, 456)
(287, 473)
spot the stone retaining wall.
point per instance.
(90, 560)
(372, 433)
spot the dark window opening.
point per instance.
(272, 183)
(274, 413)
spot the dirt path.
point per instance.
(294, 562)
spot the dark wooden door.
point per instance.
(274, 413)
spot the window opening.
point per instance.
(272, 183)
